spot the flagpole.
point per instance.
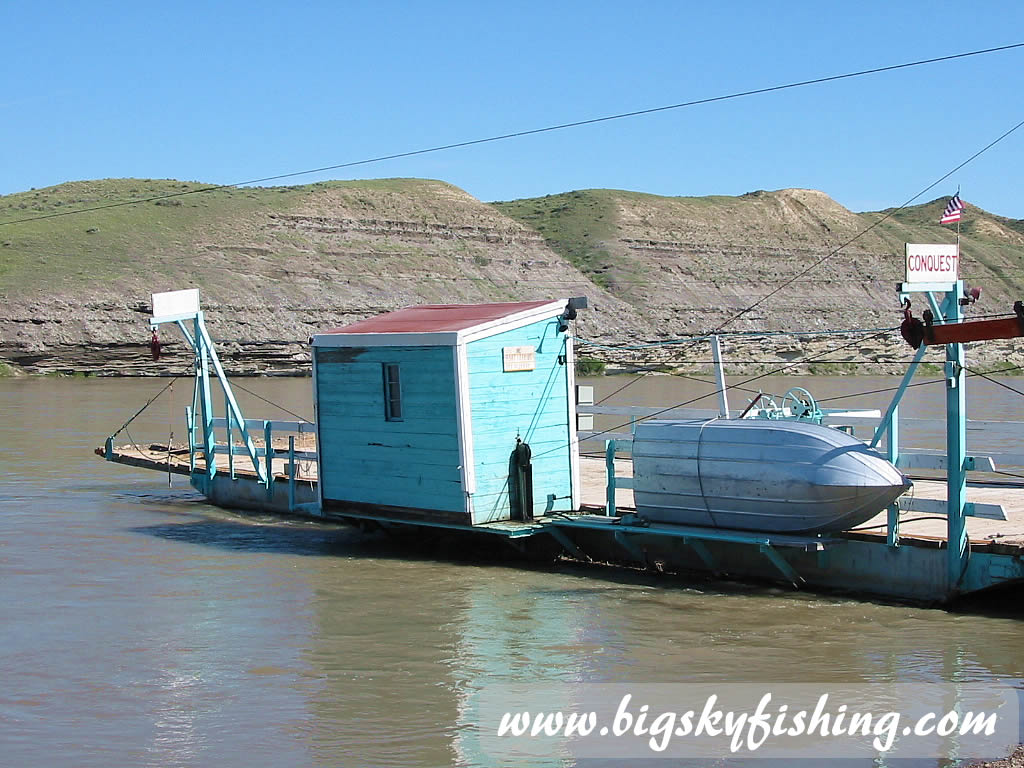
(958, 232)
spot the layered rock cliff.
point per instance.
(276, 265)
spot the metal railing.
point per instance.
(266, 452)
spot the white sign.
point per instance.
(932, 263)
(176, 303)
(518, 358)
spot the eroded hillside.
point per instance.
(277, 264)
(274, 266)
(801, 260)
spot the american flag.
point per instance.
(953, 209)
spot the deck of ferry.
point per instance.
(913, 525)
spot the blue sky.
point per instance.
(224, 92)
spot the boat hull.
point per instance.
(759, 475)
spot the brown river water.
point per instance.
(142, 627)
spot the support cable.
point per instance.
(629, 383)
(970, 372)
(888, 215)
(734, 386)
(701, 397)
(151, 400)
(733, 335)
(691, 340)
(269, 402)
(994, 381)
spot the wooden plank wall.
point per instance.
(365, 458)
(533, 404)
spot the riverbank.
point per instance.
(276, 265)
(884, 354)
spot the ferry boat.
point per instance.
(465, 420)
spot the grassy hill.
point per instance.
(273, 264)
(277, 264)
(717, 255)
(165, 234)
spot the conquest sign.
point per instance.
(932, 263)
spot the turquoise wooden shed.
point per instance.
(454, 414)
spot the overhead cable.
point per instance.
(532, 131)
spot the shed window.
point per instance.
(392, 392)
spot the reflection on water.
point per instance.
(143, 627)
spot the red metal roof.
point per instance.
(435, 318)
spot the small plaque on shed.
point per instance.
(518, 358)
